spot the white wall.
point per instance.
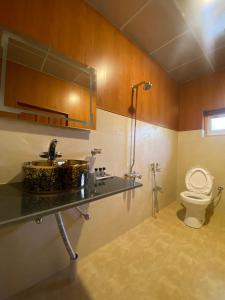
(29, 252)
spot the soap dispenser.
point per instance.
(91, 162)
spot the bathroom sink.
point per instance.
(42, 163)
(46, 176)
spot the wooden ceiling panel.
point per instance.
(183, 49)
(156, 24)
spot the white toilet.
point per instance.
(199, 183)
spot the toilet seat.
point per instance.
(199, 180)
(196, 198)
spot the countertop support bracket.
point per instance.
(63, 233)
(84, 214)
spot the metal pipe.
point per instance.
(133, 131)
(155, 189)
(155, 196)
(146, 86)
(218, 196)
(66, 241)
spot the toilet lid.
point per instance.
(199, 180)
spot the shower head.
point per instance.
(146, 85)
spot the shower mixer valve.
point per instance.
(133, 175)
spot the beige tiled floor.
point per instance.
(159, 259)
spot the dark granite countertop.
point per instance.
(17, 205)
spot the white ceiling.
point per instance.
(186, 37)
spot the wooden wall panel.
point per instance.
(206, 93)
(26, 88)
(74, 28)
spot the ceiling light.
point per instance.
(205, 2)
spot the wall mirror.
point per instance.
(39, 84)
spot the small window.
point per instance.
(214, 122)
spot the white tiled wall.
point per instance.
(30, 252)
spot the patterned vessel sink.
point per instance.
(54, 176)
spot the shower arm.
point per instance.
(135, 86)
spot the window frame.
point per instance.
(208, 116)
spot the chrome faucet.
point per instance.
(51, 154)
(51, 150)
